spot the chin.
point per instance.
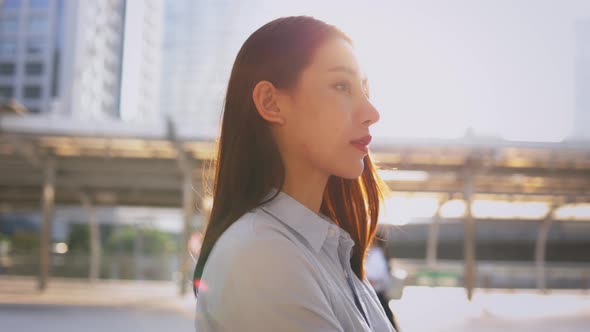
(352, 172)
(351, 177)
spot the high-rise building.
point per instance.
(30, 46)
(92, 59)
(91, 49)
(582, 83)
(142, 61)
(201, 40)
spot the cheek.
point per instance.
(330, 126)
(322, 122)
(323, 140)
(322, 126)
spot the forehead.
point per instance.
(335, 53)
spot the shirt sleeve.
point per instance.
(271, 286)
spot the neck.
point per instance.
(307, 190)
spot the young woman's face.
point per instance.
(328, 109)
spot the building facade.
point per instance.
(66, 58)
(201, 41)
(29, 52)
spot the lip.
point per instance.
(362, 143)
(365, 140)
(362, 147)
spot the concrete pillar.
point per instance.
(470, 274)
(541, 248)
(47, 205)
(185, 165)
(138, 252)
(432, 244)
(188, 202)
(95, 244)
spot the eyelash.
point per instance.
(349, 89)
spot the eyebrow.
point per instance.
(348, 70)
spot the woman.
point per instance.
(296, 196)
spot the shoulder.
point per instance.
(251, 239)
(255, 259)
(252, 231)
(256, 270)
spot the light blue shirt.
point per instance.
(281, 267)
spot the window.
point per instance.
(7, 68)
(38, 24)
(32, 91)
(8, 25)
(6, 91)
(38, 3)
(7, 47)
(11, 4)
(34, 68)
(35, 46)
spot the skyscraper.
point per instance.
(201, 40)
(67, 57)
(30, 46)
(142, 61)
(582, 80)
(90, 73)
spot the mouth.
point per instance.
(362, 143)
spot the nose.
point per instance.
(370, 114)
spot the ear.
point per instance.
(265, 97)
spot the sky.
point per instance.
(503, 68)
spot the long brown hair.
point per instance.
(248, 163)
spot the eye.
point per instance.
(343, 86)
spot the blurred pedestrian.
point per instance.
(379, 275)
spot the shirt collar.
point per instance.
(312, 227)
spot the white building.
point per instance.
(201, 41)
(142, 61)
(66, 57)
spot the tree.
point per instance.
(153, 241)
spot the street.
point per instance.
(50, 318)
(76, 305)
(446, 309)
